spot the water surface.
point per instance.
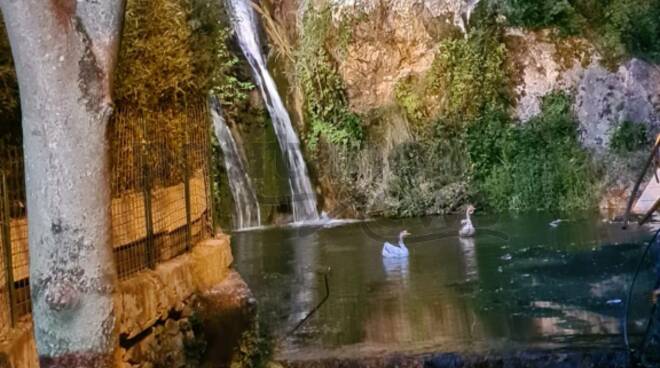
(520, 282)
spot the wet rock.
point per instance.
(226, 312)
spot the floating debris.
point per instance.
(614, 302)
(556, 222)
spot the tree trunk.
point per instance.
(65, 52)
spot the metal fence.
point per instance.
(161, 199)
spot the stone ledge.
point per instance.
(18, 349)
(150, 296)
(142, 300)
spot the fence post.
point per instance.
(186, 187)
(208, 172)
(146, 194)
(5, 216)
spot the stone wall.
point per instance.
(157, 310)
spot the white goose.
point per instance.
(393, 251)
(468, 230)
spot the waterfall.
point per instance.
(246, 212)
(303, 198)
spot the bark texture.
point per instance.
(65, 52)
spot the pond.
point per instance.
(519, 283)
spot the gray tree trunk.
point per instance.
(65, 52)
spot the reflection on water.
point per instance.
(518, 281)
(396, 269)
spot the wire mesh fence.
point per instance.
(161, 200)
(14, 235)
(160, 185)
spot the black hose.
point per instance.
(630, 292)
(311, 313)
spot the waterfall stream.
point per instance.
(303, 198)
(246, 211)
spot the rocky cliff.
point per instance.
(406, 67)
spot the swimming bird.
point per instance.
(393, 251)
(468, 230)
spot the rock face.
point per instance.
(543, 65)
(385, 48)
(604, 98)
(393, 41)
(398, 38)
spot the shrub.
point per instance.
(628, 137)
(409, 191)
(536, 166)
(431, 177)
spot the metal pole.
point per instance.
(631, 199)
(208, 171)
(186, 188)
(6, 244)
(146, 193)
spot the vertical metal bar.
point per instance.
(186, 187)
(6, 240)
(208, 171)
(146, 193)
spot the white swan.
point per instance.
(468, 230)
(393, 251)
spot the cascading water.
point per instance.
(246, 212)
(303, 198)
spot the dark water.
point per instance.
(520, 282)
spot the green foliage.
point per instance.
(535, 166)
(9, 99)
(543, 13)
(471, 74)
(619, 27)
(409, 188)
(468, 77)
(217, 67)
(430, 177)
(411, 96)
(326, 104)
(155, 62)
(628, 137)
